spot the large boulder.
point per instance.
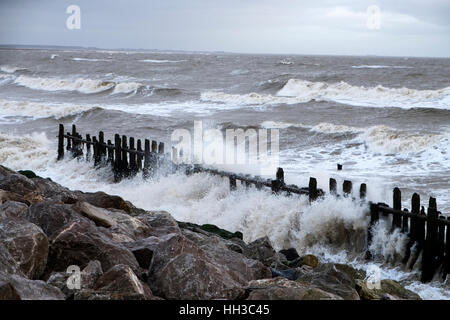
(7, 262)
(13, 209)
(11, 196)
(388, 290)
(240, 267)
(330, 278)
(261, 249)
(181, 270)
(80, 242)
(160, 223)
(27, 244)
(52, 216)
(283, 289)
(121, 279)
(15, 182)
(88, 277)
(103, 200)
(13, 286)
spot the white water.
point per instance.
(301, 91)
(287, 221)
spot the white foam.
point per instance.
(380, 67)
(127, 87)
(11, 69)
(249, 98)
(91, 60)
(160, 61)
(54, 84)
(378, 96)
(10, 109)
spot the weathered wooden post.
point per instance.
(429, 252)
(333, 187)
(347, 188)
(110, 149)
(247, 183)
(278, 183)
(312, 189)
(69, 142)
(405, 224)
(441, 241)
(339, 167)
(232, 183)
(414, 228)
(96, 148)
(397, 205)
(146, 169)
(125, 168)
(117, 158)
(61, 142)
(363, 191)
(133, 165)
(101, 148)
(139, 155)
(88, 147)
(161, 148)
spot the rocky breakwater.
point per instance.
(123, 252)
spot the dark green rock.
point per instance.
(28, 173)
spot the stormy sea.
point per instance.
(385, 119)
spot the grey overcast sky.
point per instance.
(407, 27)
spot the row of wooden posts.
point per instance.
(428, 232)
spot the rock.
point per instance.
(142, 253)
(89, 276)
(98, 295)
(11, 196)
(182, 270)
(126, 226)
(52, 217)
(160, 223)
(310, 260)
(261, 249)
(8, 292)
(28, 173)
(389, 290)
(80, 242)
(16, 183)
(13, 209)
(27, 244)
(290, 254)
(290, 274)
(242, 268)
(8, 264)
(100, 216)
(103, 200)
(330, 279)
(121, 279)
(50, 190)
(283, 289)
(16, 286)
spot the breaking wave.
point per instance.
(378, 96)
(11, 69)
(301, 91)
(81, 85)
(10, 110)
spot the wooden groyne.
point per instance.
(427, 229)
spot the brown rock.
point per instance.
(330, 279)
(13, 209)
(16, 286)
(80, 242)
(103, 200)
(283, 289)
(100, 216)
(121, 279)
(182, 270)
(27, 244)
